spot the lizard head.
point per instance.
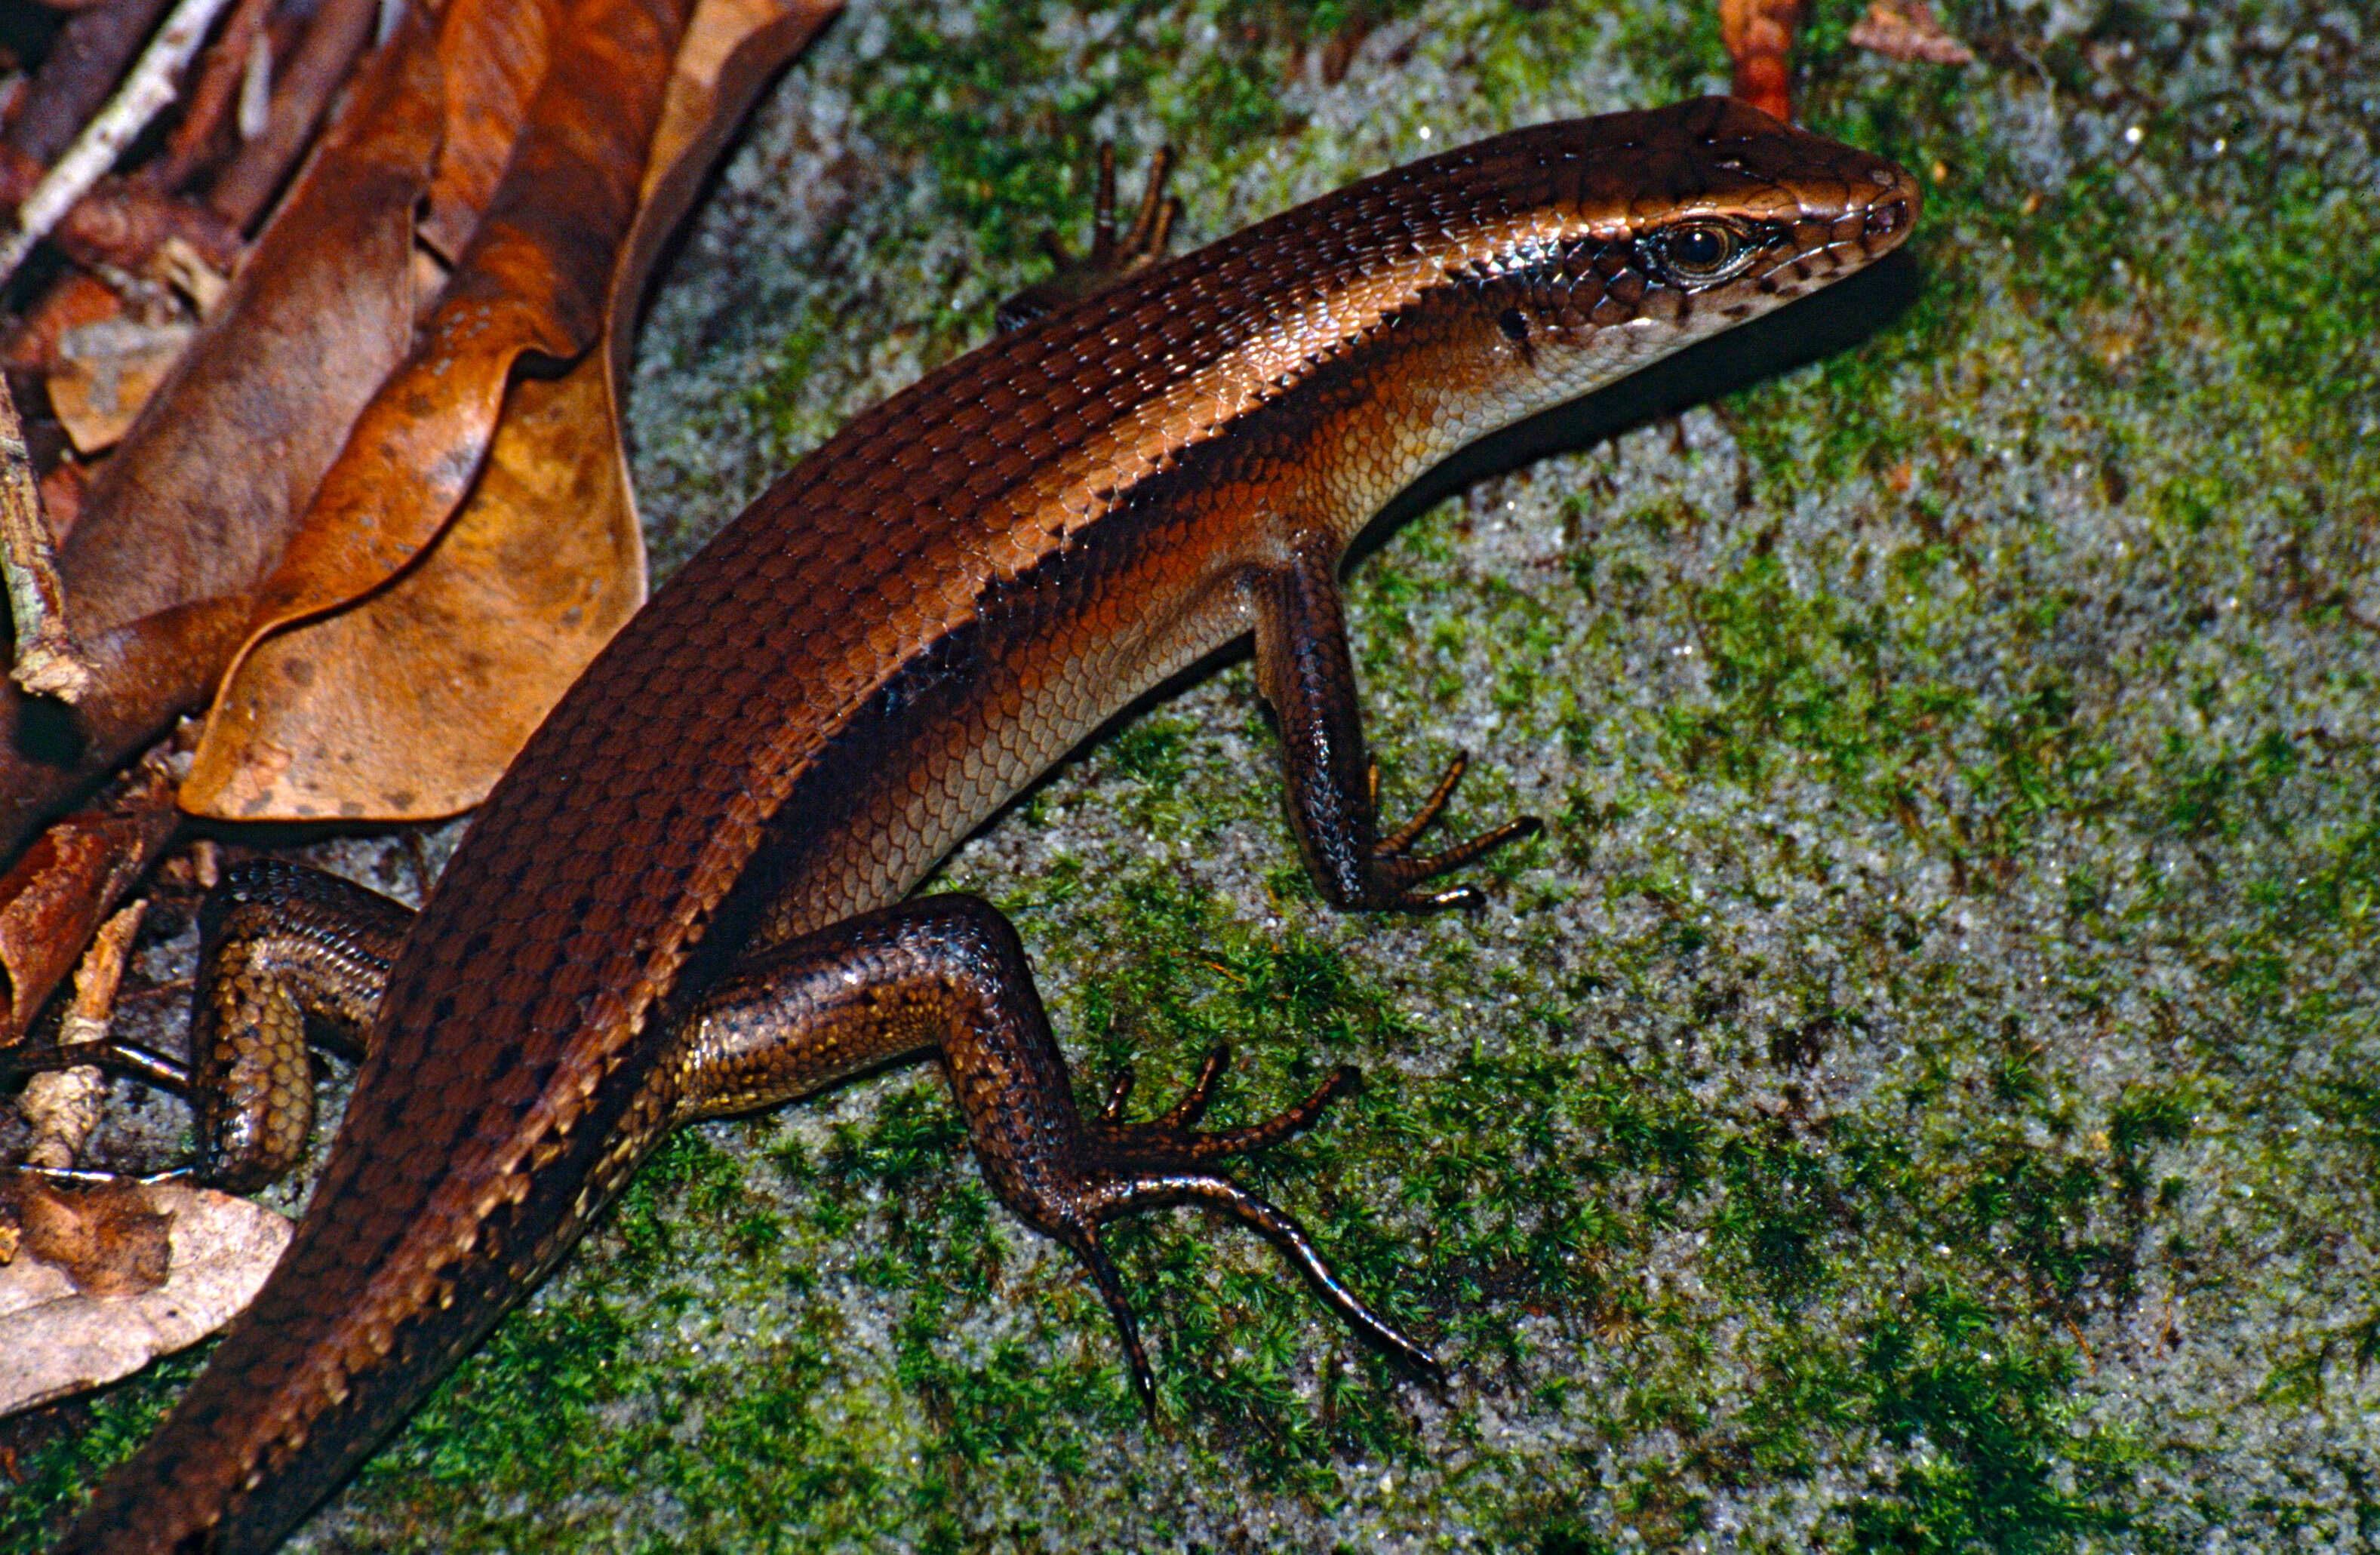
(1628, 237)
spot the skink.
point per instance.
(680, 900)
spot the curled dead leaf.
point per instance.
(104, 1237)
(107, 1277)
(394, 708)
(1908, 30)
(198, 501)
(106, 371)
(532, 283)
(493, 54)
(411, 702)
(201, 499)
(66, 882)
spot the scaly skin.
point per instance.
(901, 634)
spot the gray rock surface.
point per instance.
(1922, 1092)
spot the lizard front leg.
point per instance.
(946, 976)
(1306, 674)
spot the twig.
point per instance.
(220, 79)
(48, 662)
(145, 92)
(124, 222)
(62, 1106)
(91, 52)
(338, 33)
(256, 89)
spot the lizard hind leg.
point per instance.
(289, 957)
(946, 976)
(285, 952)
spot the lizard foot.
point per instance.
(1131, 1167)
(1110, 260)
(1398, 871)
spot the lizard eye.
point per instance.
(1700, 253)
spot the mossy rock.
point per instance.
(1920, 1092)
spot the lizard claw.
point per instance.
(1111, 259)
(1397, 871)
(1172, 1138)
(1132, 1167)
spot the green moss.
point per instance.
(46, 1483)
(1792, 669)
(947, 97)
(1782, 1202)
(1924, 1070)
(1981, 1409)
(1972, 1414)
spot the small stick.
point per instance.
(48, 664)
(256, 89)
(313, 72)
(1759, 38)
(221, 80)
(62, 1106)
(143, 94)
(123, 221)
(91, 53)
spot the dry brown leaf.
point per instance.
(211, 479)
(105, 1277)
(532, 282)
(105, 1237)
(198, 500)
(494, 53)
(76, 301)
(393, 709)
(74, 872)
(411, 703)
(106, 371)
(1908, 30)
